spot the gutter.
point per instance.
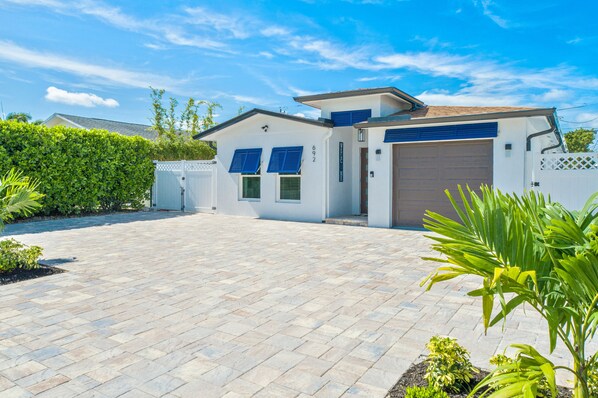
(554, 129)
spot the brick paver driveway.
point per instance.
(199, 305)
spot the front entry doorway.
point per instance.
(364, 180)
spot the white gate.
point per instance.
(185, 186)
(569, 178)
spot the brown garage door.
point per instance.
(421, 173)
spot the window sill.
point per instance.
(249, 200)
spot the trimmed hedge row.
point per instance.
(79, 171)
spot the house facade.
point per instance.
(376, 152)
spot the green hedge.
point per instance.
(79, 171)
(183, 150)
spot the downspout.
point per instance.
(538, 134)
(325, 186)
(554, 122)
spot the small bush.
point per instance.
(179, 149)
(424, 392)
(449, 367)
(15, 255)
(593, 380)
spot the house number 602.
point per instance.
(313, 152)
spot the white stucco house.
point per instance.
(377, 152)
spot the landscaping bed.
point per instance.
(19, 275)
(414, 376)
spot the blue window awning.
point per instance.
(437, 133)
(349, 118)
(246, 161)
(285, 160)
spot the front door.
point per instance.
(364, 180)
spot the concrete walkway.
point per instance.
(164, 304)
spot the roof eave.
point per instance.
(257, 111)
(461, 118)
(305, 99)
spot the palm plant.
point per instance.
(527, 250)
(18, 196)
(21, 117)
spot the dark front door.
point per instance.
(364, 180)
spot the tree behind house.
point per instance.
(580, 140)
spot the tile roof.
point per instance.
(440, 111)
(123, 128)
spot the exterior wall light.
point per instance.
(508, 149)
(361, 135)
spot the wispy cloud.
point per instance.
(575, 40)
(487, 7)
(13, 53)
(236, 26)
(87, 100)
(275, 31)
(173, 29)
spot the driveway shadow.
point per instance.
(34, 227)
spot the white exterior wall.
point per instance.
(281, 133)
(511, 172)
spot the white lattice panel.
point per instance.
(202, 165)
(569, 161)
(169, 166)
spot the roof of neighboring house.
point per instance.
(447, 114)
(306, 99)
(124, 128)
(256, 111)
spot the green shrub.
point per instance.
(5, 163)
(178, 149)
(593, 380)
(424, 392)
(449, 367)
(80, 171)
(15, 255)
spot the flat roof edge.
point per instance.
(460, 118)
(359, 92)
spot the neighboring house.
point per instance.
(380, 152)
(88, 123)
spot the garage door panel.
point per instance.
(422, 171)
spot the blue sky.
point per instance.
(97, 58)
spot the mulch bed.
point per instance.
(23, 275)
(414, 376)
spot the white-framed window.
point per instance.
(250, 186)
(289, 188)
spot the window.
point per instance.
(251, 186)
(247, 162)
(289, 187)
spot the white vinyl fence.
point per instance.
(185, 186)
(569, 178)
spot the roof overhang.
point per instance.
(320, 122)
(549, 113)
(316, 99)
